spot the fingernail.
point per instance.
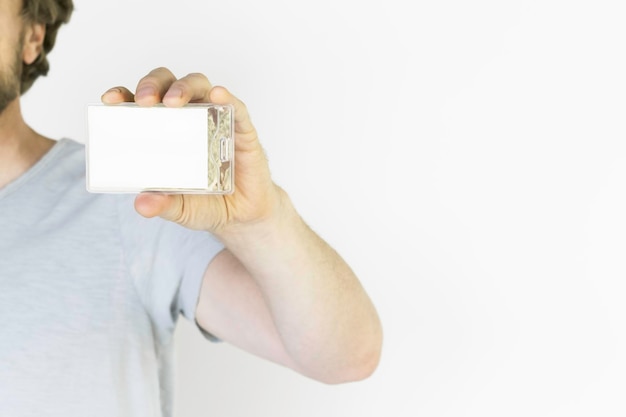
(113, 90)
(145, 91)
(174, 92)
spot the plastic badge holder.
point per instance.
(186, 150)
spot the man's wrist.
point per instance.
(281, 222)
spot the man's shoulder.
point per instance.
(69, 152)
(61, 180)
(66, 160)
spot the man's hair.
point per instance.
(52, 13)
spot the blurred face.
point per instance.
(11, 45)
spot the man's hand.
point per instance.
(255, 199)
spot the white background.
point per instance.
(468, 159)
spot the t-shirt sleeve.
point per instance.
(167, 263)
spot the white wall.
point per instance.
(468, 159)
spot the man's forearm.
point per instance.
(325, 319)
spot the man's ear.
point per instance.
(34, 34)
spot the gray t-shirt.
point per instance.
(90, 293)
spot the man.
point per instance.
(90, 291)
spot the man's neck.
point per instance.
(20, 146)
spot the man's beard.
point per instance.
(10, 81)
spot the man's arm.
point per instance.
(278, 290)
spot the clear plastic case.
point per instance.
(186, 150)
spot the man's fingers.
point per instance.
(152, 87)
(194, 87)
(117, 95)
(167, 206)
(243, 124)
(150, 205)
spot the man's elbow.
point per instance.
(361, 370)
(357, 367)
